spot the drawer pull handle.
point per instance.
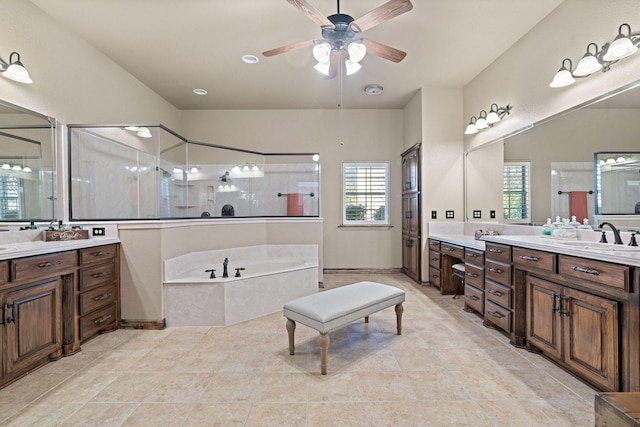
(449, 249)
(585, 270)
(495, 270)
(529, 258)
(102, 297)
(99, 275)
(472, 297)
(435, 258)
(495, 314)
(435, 276)
(472, 275)
(471, 255)
(496, 293)
(101, 253)
(495, 251)
(49, 264)
(102, 319)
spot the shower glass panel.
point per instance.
(118, 174)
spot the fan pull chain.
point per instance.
(341, 86)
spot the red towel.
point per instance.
(578, 205)
(295, 204)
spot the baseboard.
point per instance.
(362, 270)
(150, 325)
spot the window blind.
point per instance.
(516, 191)
(365, 192)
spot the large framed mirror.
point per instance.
(560, 154)
(27, 165)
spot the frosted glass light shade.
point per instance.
(322, 67)
(18, 73)
(620, 48)
(352, 67)
(322, 52)
(589, 64)
(357, 51)
(562, 78)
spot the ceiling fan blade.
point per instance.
(312, 13)
(334, 65)
(383, 13)
(384, 51)
(287, 48)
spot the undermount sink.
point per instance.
(596, 246)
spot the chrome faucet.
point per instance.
(616, 234)
(225, 273)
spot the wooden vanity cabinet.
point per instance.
(435, 276)
(498, 304)
(474, 280)
(98, 290)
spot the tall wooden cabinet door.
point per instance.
(410, 170)
(33, 325)
(411, 214)
(544, 328)
(591, 337)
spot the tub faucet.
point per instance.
(225, 273)
(616, 233)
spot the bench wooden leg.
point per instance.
(366, 319)
(323, 343)
(291, 328)
(399, 310)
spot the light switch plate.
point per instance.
(492, 214)
(434, 214)
(448, 214)
(477, 214)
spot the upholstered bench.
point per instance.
(331, 309)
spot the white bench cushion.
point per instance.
(333, 308)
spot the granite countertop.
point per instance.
(40, 247)
(460, 240)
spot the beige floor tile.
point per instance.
(386, 386)
(231, 387)
(31, 387)
(457, 413)
(159, 414)
(340, 387)
(278, 415)
(437, 385)
(338, 414)
(179, 388)
(283, 388)
(79, 388)
(218, 415)
(42, 415)
(7, 410)
(130, 387)
(101, 414)
(396, 414)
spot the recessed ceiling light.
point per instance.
(200, 92)
(250, 59)
(373, 89)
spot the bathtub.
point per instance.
(272, 275)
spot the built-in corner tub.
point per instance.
(272, 275)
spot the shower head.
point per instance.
(224, 177)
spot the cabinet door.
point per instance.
(544, 329)
(410, 171)
(591, 337)
(33, 327)
(410, 214)
(411, 257)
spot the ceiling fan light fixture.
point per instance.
(322, 67)
(352, 67)
(322, 52)
(357, 51)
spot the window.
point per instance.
(365, 199)
(516, 195)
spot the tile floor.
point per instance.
(445, 369)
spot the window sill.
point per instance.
(364, 226)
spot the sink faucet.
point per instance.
(616, 233)
(225, 273)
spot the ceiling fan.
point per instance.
(342, 37)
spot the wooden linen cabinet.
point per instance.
(411, 237)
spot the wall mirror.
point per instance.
(617, 183)
(560, 152)
(27, 165)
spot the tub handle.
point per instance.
(238, 269)
(213, 273)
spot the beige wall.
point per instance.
(351, 135)
(521, 76)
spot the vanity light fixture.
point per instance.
(484, 120)
(144, 133)
(14, 69)
(622, 46)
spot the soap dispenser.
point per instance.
(547, 229)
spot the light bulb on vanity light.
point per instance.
(563, 77)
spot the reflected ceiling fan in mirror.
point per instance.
(342, 40)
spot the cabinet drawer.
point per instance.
(497, 272)
(499, 316)
(498, 252)
(498, 293)
(43, 266)
(474, 276)
(474, 256)
(474, 298)
(434, 259)
(434, 277)
(97, 321)
(97, 254)
(528, 259)
(4, 272)
(95, 298)
(608, 274)
(452, 250)
(93, 276)
(434, 245)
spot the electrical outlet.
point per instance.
(477, 214)
(98, 231)
(434, 214)
(492, 214)
(448, 214)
